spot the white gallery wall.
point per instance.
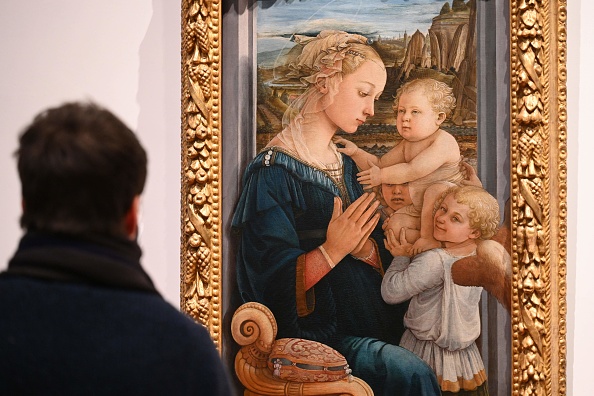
(125, 55)
(121, 54)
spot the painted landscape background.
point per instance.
(415, 38)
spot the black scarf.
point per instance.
(92, 259)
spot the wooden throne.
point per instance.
(287, 366)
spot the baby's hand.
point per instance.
(397, 247)
(423, 244)
(371, 177)
(349, 148)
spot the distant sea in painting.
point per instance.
(371, 18)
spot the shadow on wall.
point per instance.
(159, 90)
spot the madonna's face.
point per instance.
(356, 97)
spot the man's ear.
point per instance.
(440, 118)
(131, 218)
(321, 85)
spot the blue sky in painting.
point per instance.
(390, 18)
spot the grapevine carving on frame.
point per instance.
(538, 175)
(538, 184)
(201, 237)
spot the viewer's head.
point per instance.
(396, 196)
(440, 96)
(466, 206)
(81, 169)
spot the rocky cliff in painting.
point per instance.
(464, 85)
(444, 47)
(447, 35)
(452, 39)
(417, 55)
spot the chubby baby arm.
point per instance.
(372, 175)
(349, 148)
(361, 157)
(443, 150)
(394, 174)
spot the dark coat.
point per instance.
(79, 316)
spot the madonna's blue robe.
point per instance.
(282, 214)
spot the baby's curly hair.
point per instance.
(483, 213)
(439, 94)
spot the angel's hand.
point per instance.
(397, 246)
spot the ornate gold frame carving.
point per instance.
(538, 183)
(201, 172)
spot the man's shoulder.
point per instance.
(100, 317)
(91, 302)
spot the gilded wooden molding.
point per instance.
(538, 179)
(200, 285)
(538, 184)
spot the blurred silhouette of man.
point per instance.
(78, 314)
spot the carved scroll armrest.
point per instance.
(254, 328)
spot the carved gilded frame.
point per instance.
(538, 154)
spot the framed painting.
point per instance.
(505, 62)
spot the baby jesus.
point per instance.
(417, 170)
(427, 157)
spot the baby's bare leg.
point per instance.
(426, 240)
